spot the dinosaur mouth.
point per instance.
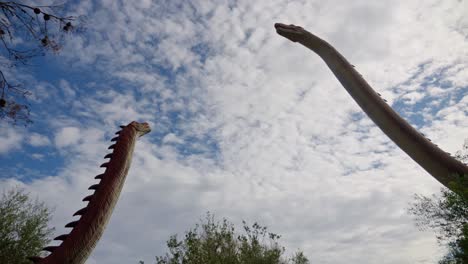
(145, 128)
(280, 27)
(142, 128)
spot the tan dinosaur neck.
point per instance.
(79, 243)
(435, 161)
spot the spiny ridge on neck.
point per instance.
(76, 246)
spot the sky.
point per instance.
(245, 124)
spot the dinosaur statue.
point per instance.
(435, 161)
(78, 244)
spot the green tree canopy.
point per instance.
(23, 227)
(214, 242)
(447, 214)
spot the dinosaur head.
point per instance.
(291, 32)
(141, 128)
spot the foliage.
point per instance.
(462, 155)
(23, 227)
(447, 214)
(26, 32)
(217, 242)
(458, 249)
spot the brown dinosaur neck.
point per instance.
(79, 243)
(435, 161)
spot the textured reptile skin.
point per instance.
(85, 233)
(429, 156)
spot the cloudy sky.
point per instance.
(246, 124)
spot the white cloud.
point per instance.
(38, 140)
(275, 137)
(37, 156)
(172, 138)
(10, 139)
(67, 136)
(68, 91)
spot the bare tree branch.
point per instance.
(26, 32)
